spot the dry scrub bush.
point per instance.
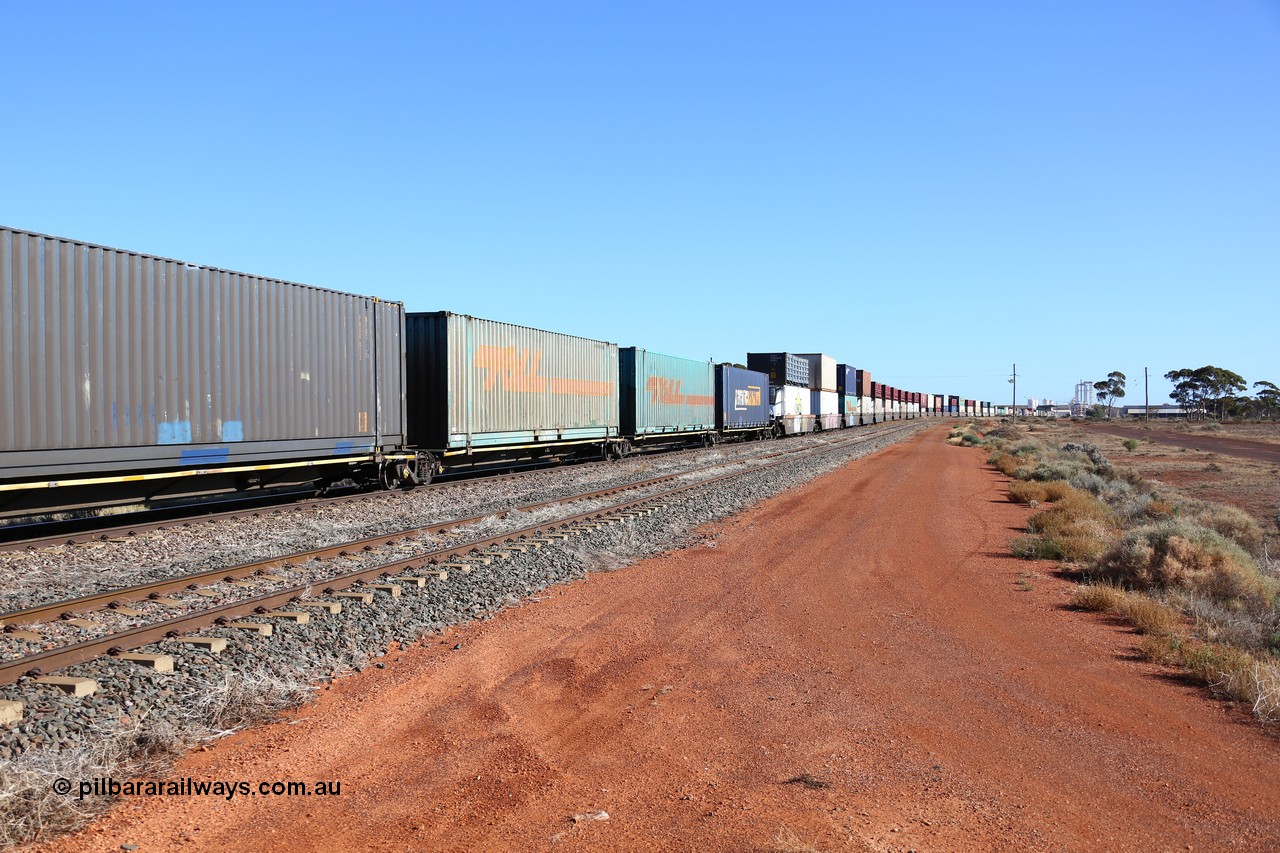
(1178, 555)
(1252, 629)
(1022, 492)
(1149, 616)
(1235, 524)
(1031, 547)
(1078, 523)
(1229, 672)
(1006, 464)
(1058, 469)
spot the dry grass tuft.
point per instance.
(1150, 616)
(1147, 615)
(1032, 547)
(1098, 597)
(789, 841)
(1026, 491)
(246, 698)
(1078, 523)
(31, 810)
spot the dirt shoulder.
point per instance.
(866, 630)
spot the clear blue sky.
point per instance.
(930, 190)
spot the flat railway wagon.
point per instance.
(742, 403)
(665, 399)
(136, 378)
(481, 391)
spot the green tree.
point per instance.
(1110, 389)
(1206, 388)
(1268, 397)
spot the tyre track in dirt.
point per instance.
(865, 629)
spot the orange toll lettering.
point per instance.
(516, 370)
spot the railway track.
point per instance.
(81, 530)
(388, 563)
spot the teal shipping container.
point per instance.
(664, 394)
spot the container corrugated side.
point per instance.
(124, 361)
(482, 384)
(864, 383)
(665, 393)
(783, 368)
(822, 371)
(846, 379)
(742, 398)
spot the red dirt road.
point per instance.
(865, 630)
(1230, 445)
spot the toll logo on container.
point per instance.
(746, 398)
(520, 371)
(669, 391)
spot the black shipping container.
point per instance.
(782, 368)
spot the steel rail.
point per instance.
(64, 656)
(111, 599)
(173, 518)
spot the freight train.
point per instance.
(151, 379)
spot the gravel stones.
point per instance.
(154, 714)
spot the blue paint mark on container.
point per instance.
(232, 431)
(205, 456)
(342, 448)
(173, 432)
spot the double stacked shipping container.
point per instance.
(824, 396)
(789, 396)
(847, 391)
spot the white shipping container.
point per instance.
(825, 405)
(791, 408)
(822, 371)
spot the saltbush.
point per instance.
(1181, 555)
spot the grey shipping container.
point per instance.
(123, 362)
(822, 371)
(742, 398)
(782, 368)
(480, 384)
(663, 394)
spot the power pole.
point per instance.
(1014, 408)
(1146, 394)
